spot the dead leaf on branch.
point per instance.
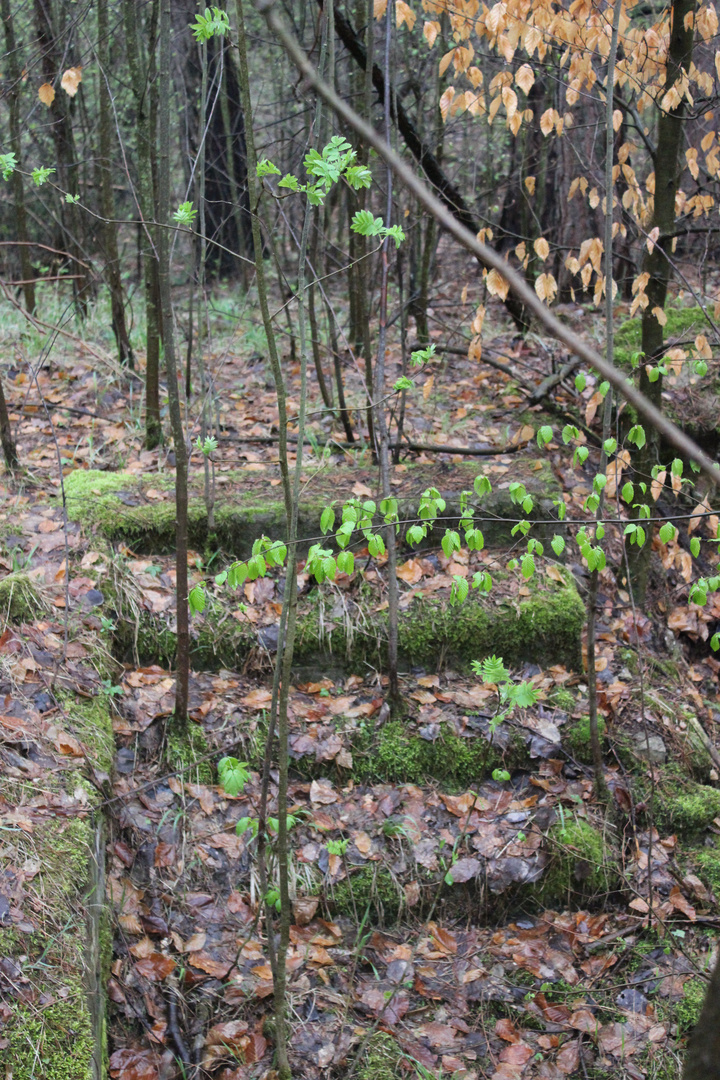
(71, 80)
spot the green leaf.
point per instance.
(460, 589)
(245, 824)
(677, 467)
(196, 599)
(610, 446)
(266, 168)
(423, 356)
(544, 435)
(628, 492)
(233, 775)
(358, 176)
(558, 544)
(213, 22)
(237, 574)
(482, 486)
(493, 670)
(221, 578)
(501, 776)
(668, 532)
(569, 432)
(185, 214)
(524, 695)
(581, 454)
(636, 435)
(366, 224)
(715, 642)
(327, 519)
(475, 539)
(395, 233)
(40, 175)
(695, 546)
(450, 542)
(403, 383)
(580, 382)
(346, 562)
(527, 566)
(482, 581)
(290, 182)
(415, 534)
(376, 545)
(700, 367)
(8, 165)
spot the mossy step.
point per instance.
(543, 627)
(119, 506)
(577, 865)
(58, 948)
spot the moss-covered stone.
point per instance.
(581, 863)
(20, 600)
(399, 754)
(189, 753)
(577, 738)
(114, 504)
(685, 807)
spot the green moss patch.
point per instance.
(544, 628)
(55, 1022)
(383, 1059)
(685, 807)
(20, 600)
(581, 863)
(682, 322)
(577, 738)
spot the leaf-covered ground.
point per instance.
(443, 919)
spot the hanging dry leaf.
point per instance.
(71, 80)
(46, 93)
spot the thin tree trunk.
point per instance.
(49, 36)
(380, 419)
(182, 662)
(671, 124)
(140, 77)
(13, 95)
(281, 682)
(107, 202)
(8, 445)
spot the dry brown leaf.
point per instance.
(46, 93)
(71, 80)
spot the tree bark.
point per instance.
(49, 36)
(8, 445)
(702, 1061)
(107, 202)
(655, 263)
(13, 95)
(140, 78)
(182, 662)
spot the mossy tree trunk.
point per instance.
(656, 263)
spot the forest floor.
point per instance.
(445, 921)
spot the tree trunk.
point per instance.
(655, 263)
(13, 95)
(702, 1061)
(107, 202)
(181, 460)
(140, 77)
(49, 37)
(9, 448)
